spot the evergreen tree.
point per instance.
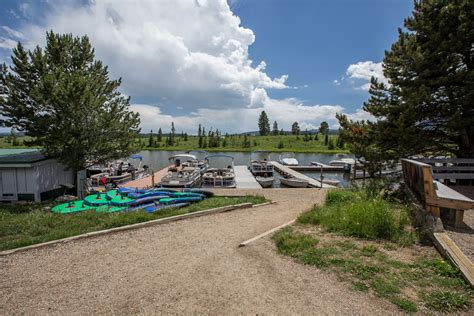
(263, 124)
(275, 129)
(172, 134)
(185, 137)
(295, 129)
(326, 139)
(428, 105)
(150, 139)
(199, 130)
(160, 136)
(282, 132)
(62, 96)
(324, 128)
(280, 144)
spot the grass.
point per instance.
(341, 239)
(354, 213)
(233, 143)
(23, 225)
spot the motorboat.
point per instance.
(265, 182)
(119, 171)
(294, 182)
(261, 167)
(200, 161)
(223, 177)
(342, 162)
(288, 161)
(183, 172)
(331, 181)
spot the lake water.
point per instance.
(157, 159)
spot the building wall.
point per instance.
(44, 176)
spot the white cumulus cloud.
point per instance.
(181, 52)
(365, 70)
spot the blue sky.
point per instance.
(201, 61)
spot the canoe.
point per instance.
(168, 201)
(135, 195)
(294, 182)
(207, 193)
(159, 207)
(187, 194)
(265, 182)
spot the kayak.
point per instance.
(96, 199)
(72, 207)
(154, 207)
(168, 201)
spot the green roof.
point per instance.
(27, 157)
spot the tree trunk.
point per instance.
(466, 143)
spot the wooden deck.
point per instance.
(146, 182)
(244, 178)
(318, 168)
(289, 171)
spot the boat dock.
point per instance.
(289, 171)
(318, 168)
(244, 178)
(147, 182)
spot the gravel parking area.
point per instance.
(192, 266)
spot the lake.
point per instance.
(157, 159)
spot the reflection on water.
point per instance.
(157, 159)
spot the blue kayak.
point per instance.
(167, 201)
(155, 207)
(135, 195)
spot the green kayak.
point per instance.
(72, 207)
(96, 199)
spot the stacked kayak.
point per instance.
(129, 199)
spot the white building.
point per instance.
(30, 176)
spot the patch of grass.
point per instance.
(405, 305)
(369, 250)
(384, 288)
(354, 213)
(292, 244)
(445, 301)
(360, 286)
(23, 225)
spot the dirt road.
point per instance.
(190, 266)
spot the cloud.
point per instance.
(336, 82)
(285, 112)
(364, 70)
(7, 43)
(11, 32)
(180, 52)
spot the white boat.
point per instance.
(219, 177)
(265, 182)
(342, 162)
(294, 182)
(261, 167)
(331, 181)
(288, 161)
(183, 172)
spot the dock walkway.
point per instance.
(146, 182)
(287, 170)
(244, 178)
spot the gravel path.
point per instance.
(190, 266)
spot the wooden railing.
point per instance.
(451, 168)
(433, 195)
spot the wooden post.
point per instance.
(152, 178)
(459, 218)
(321, 176)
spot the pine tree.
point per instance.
(53, 93)
(185, 137)
(428, 106)
(326, 140)
(263, 124)
(275, 129)
(324, 128)
(160, 136)
(295, 129)
(150, 139)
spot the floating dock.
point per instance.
(146, 182)
(244, 178)
(326, 168)
(289, 171)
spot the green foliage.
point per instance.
(324, 128)
(23, 225)
(353, 213)
(427, 108)
(63, 97)
(405, 305)
(292, 244)
(295, 129)
(263, 124)
(445, 301)
(275, 131)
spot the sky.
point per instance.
(220, 63)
